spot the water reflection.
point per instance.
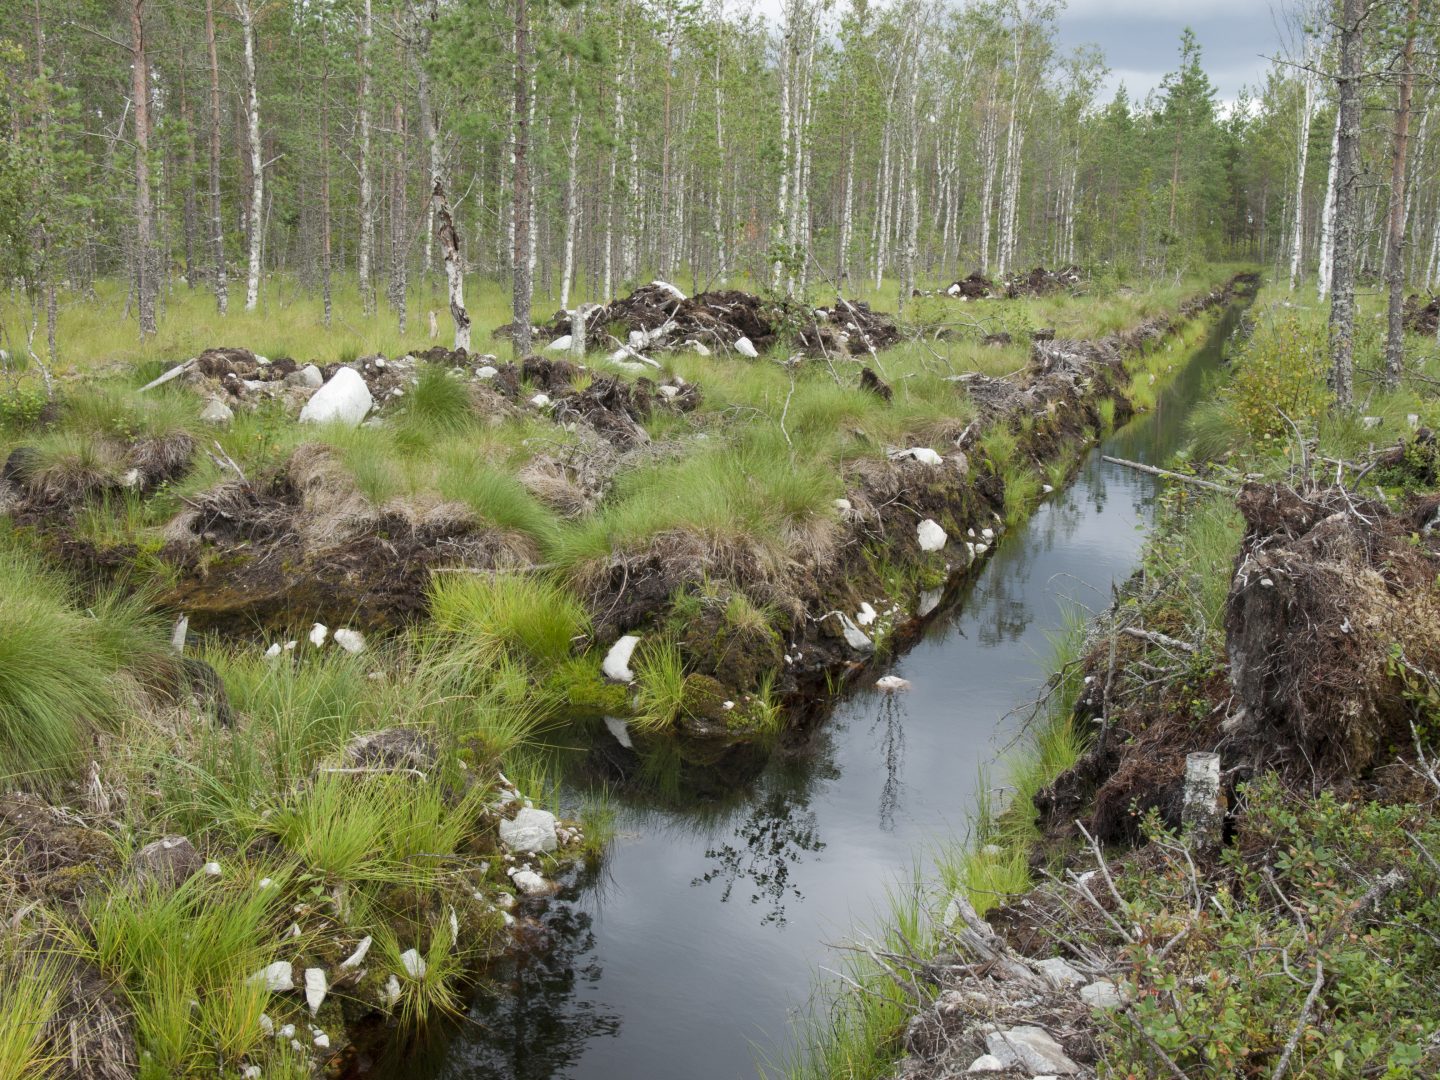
(892, 755)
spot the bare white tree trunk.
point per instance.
(367, 208)
(722, 255)
(782, 197)
(609, 275)
(217, 224)
(425, 15)
(1302, 155)
(1327, 218)
(256, 224)
(847, 217)
(454, 273)
(989, 138)
(147, 287)
(912, 207)
(572, 203)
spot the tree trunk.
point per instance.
(246, 14)
(721, 254)
(1302, 155)
(454, 273)
(188, 120)
(572, 200)
(146, 285)
(1395, 252)
(520, 202)
(429, 127)
(782, 196)
(217, 219)
(1342, 303)
(325, 267)
(399, 228)
(1327, 218)
(367, 209)
(610, 196)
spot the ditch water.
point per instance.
(698, 948)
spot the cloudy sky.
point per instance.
(1141, 39)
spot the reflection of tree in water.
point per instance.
(774, 834)
(534, 1018)
(892, 751)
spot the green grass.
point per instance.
(61, 667)
(485, 617)
(660, 685)
(29, 1000)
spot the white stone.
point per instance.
(322, 1041)
(356, 958)
(217, 412)
(1032, 1049)
(251, 1072)
(617, 661)
(318, 633)
(1104, 994)
(277, 978)
(413, 963)
(745, 347)
(929, 601)
(345, 399)
(980, 549)
(931, 535)
(700, 348)
(856, 638)
(620, 730)
(1059, 971)
(315, 988)
(486, 372)
(267, 1026)
(392, 990)
(530, 883)
(988, 534)
(561, 343)
(540, 401)
(352, 641)
(1369, 422)
(668, 392)
(843, 505)
(923, 454)
(529, 831)
(954, 290)
(891, 683)
(290, 646)
(286, 1032)
(309, 375)
(212, 869)
(727, 705)
(866, 615)
(986, 1063)
(273, 651)
(1047, 488)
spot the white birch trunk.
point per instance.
(1297, 245)
(722, 256)
(572, 203)
(782, 209)
(257, 165)
(367, 208)
(1327, 218)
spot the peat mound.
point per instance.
(1422, 316)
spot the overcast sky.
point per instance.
(1141, 39)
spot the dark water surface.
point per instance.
(709, 927)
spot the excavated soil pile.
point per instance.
(659, 316)
(975, 287)
(1041, 282)
(306, 543)
(1422, 317)
(241, 377)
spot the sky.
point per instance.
(1141, 39)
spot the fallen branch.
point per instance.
(1166, 474)
(1154, 637)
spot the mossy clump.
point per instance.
(580, 686)
(703, 709)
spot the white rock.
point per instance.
(286, 1032)
(352, 641)
(954, 290)
(530, 883)
(923, 454)
(856, 638)
(212, 869)
(700, 348)
(290, 646)
(745, 347)
(617, 661)
(1059, 972)
(318, 633)
(322, 1041)
(727, 705)
(273, 651)
(986, 1063)
(1104, 994)
(540, 401)
(529, 831)
(843, 505)
(866, 615)
(988, 534)
(267, 1026)
(1047, 488)
(560, 344)
(620, 730)
(315, 988)
(931, 535)
(1032, 1049)
(392, 990)
(277, 978)
(356, 958)
(980, 549)
(929, 601)
(251, 1072)
(413, 963)
(217, 412)
(668, 391)
(486, 372)
(891, 683)
(1369, 422)
(345, 399)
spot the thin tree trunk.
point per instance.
(782, 197)
(246, 13)
(1395, 252)
(1302, 155)
(1342, 303)
(1327, 218)
(429, 127)
(217, 219)
(367, 209)
(146, 285)
(399, 228)
(325, 255)
(572, 201)
(454, 274)
(610, 197)
(521, 200)
(718, 223)
(189, 215)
